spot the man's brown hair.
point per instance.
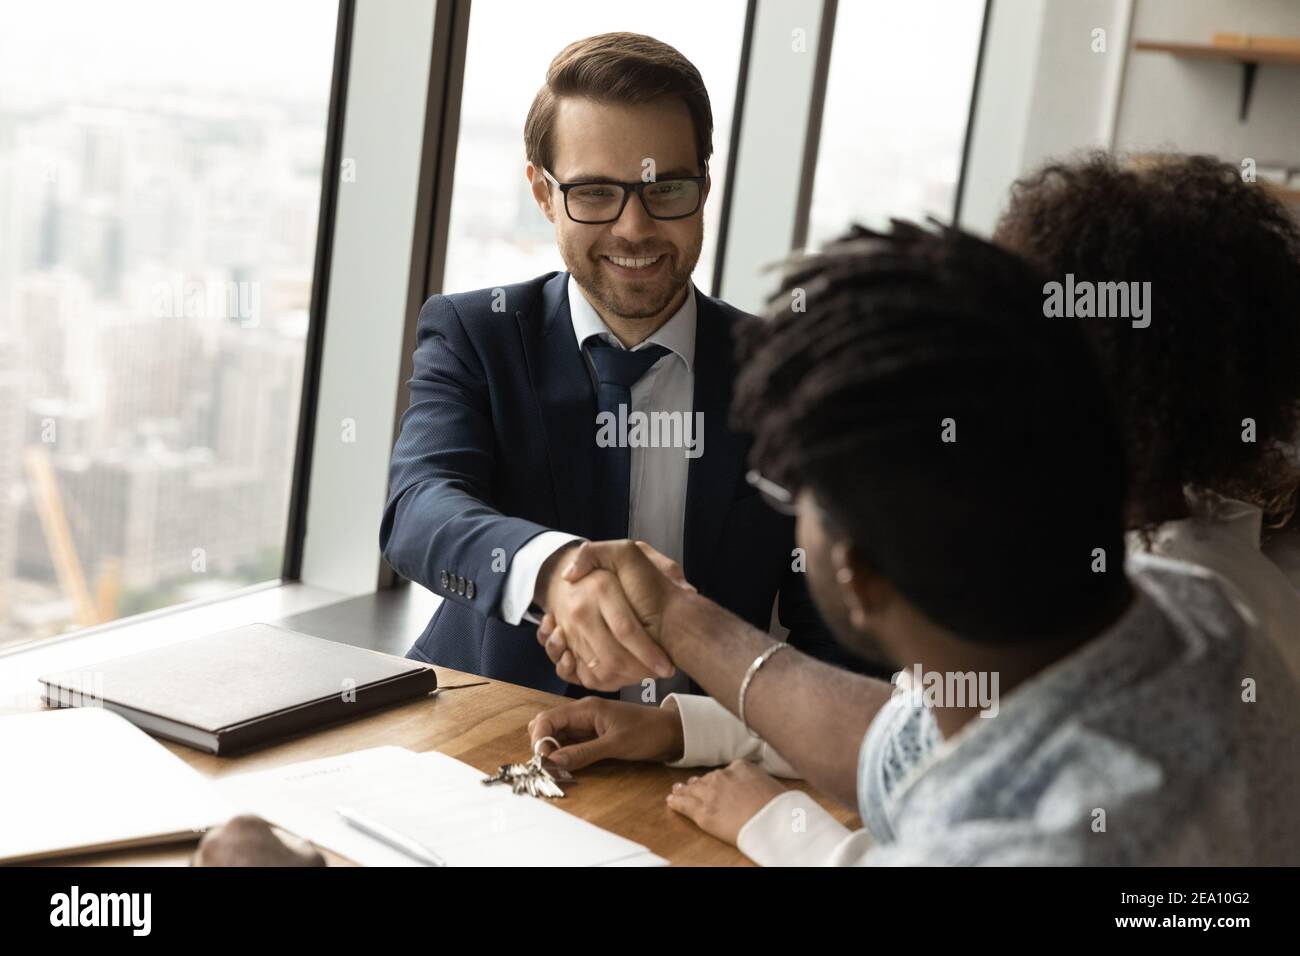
(625, 68)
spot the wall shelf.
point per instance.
(1247, 50)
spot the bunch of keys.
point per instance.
(537, 778)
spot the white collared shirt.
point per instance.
(657, 495)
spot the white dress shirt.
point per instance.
(657, 495)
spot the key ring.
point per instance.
(537, 747)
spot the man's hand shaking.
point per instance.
(604, 610)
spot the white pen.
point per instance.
(390, 837)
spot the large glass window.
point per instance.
(497, 234)
(160, 176)
(897, 100)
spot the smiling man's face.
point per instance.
(612, 141)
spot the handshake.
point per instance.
(605, 603)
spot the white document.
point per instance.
(431, 798)
(85, 779)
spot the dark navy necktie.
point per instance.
(617, 370)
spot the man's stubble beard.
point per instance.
(613, 297)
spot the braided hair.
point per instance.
(960, 439)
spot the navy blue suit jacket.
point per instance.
(498, 445)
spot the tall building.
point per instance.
(155, 272)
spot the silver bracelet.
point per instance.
(759, 661)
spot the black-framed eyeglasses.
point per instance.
(594, 203)
(779, 498)
(786, 502)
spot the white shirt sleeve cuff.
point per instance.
(712, 736)
(794, 830)
(521, 579)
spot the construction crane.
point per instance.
(63, 552)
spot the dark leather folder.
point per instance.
(236, 689)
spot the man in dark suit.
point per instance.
(589, 404)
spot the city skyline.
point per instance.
(156, 256)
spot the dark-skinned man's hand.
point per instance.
(609, 644)
(570, 662)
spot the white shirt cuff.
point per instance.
(794, 830)
(521, 579)
(712, 736)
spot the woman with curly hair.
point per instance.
(1209, 391)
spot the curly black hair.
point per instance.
(1223, 259)
(911, 382)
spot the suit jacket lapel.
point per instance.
(562, 384)
(713, 477)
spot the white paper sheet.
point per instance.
(86, 779)
(431, 798)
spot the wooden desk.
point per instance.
(484, 726)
